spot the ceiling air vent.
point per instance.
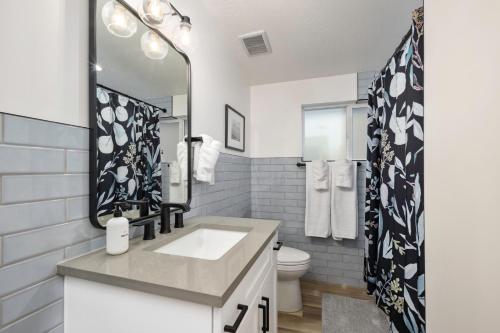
(256, 43)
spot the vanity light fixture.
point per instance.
(184, 31)
(118, 20)
(153, 46)
(154, 11)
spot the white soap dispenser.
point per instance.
(117, 230)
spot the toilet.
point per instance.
(292, 265)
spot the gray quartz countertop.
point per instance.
(209, 282)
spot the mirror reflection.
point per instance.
(142, 87)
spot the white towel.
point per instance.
(207, 159)
(196, 151)
(317, 208)
(182, 159)
(175, 173)
(321, 175)
(196, 154)
(344, 173)
(177, 193)
(344, 205)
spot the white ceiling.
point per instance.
(313, 38)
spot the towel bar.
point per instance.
(301, 164)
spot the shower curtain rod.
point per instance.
(302, 164)
(131, 97)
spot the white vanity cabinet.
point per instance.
(95, 307)
(258, 287)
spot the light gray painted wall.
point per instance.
(278, 192)
(44, 215)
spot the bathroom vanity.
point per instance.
(217, 274)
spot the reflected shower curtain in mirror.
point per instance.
(128, 154)
(394, 214)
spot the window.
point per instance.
(335, 132)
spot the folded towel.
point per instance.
(207, 159)
(317, 214)
(344, 173)
(175, 173)
(321, 175)
(196, 153)
(182, 159)
(177, 193)
(344, 205)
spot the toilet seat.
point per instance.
(288, 256)
(293, 268)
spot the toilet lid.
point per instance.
(291, 256)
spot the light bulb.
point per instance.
(118, 20)
(98, 68)
(185, 31)
(154, 11)
(153, 46)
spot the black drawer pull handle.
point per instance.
(234, 327)
(266, 316)
(277, 248)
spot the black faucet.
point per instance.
(149, 224)
(165, 216)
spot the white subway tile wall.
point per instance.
(278, 192)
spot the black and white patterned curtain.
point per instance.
(394, 220)
(128, 154)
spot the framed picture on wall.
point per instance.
(235, 129)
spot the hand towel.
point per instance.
(207, 159)
(344, 173)
(175, 173)
(344, 205)
(182, 159)
(317, 214)
(321, 175)
(196, 154)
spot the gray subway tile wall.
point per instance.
(31, 299)
(365, 79)
(44, 208)
(77, 161)
(19, 159)
(41, 321)
(36, 133)
(230, 195)
(278, 192)
(43, 218)
(21, 188)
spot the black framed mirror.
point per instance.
(139, 117)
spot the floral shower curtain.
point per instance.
(394, 214)
(128, 155)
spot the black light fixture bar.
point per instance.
(178, 13)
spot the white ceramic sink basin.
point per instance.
(203, 243)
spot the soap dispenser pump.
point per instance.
(117, 230)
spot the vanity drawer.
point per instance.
(248, 289)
